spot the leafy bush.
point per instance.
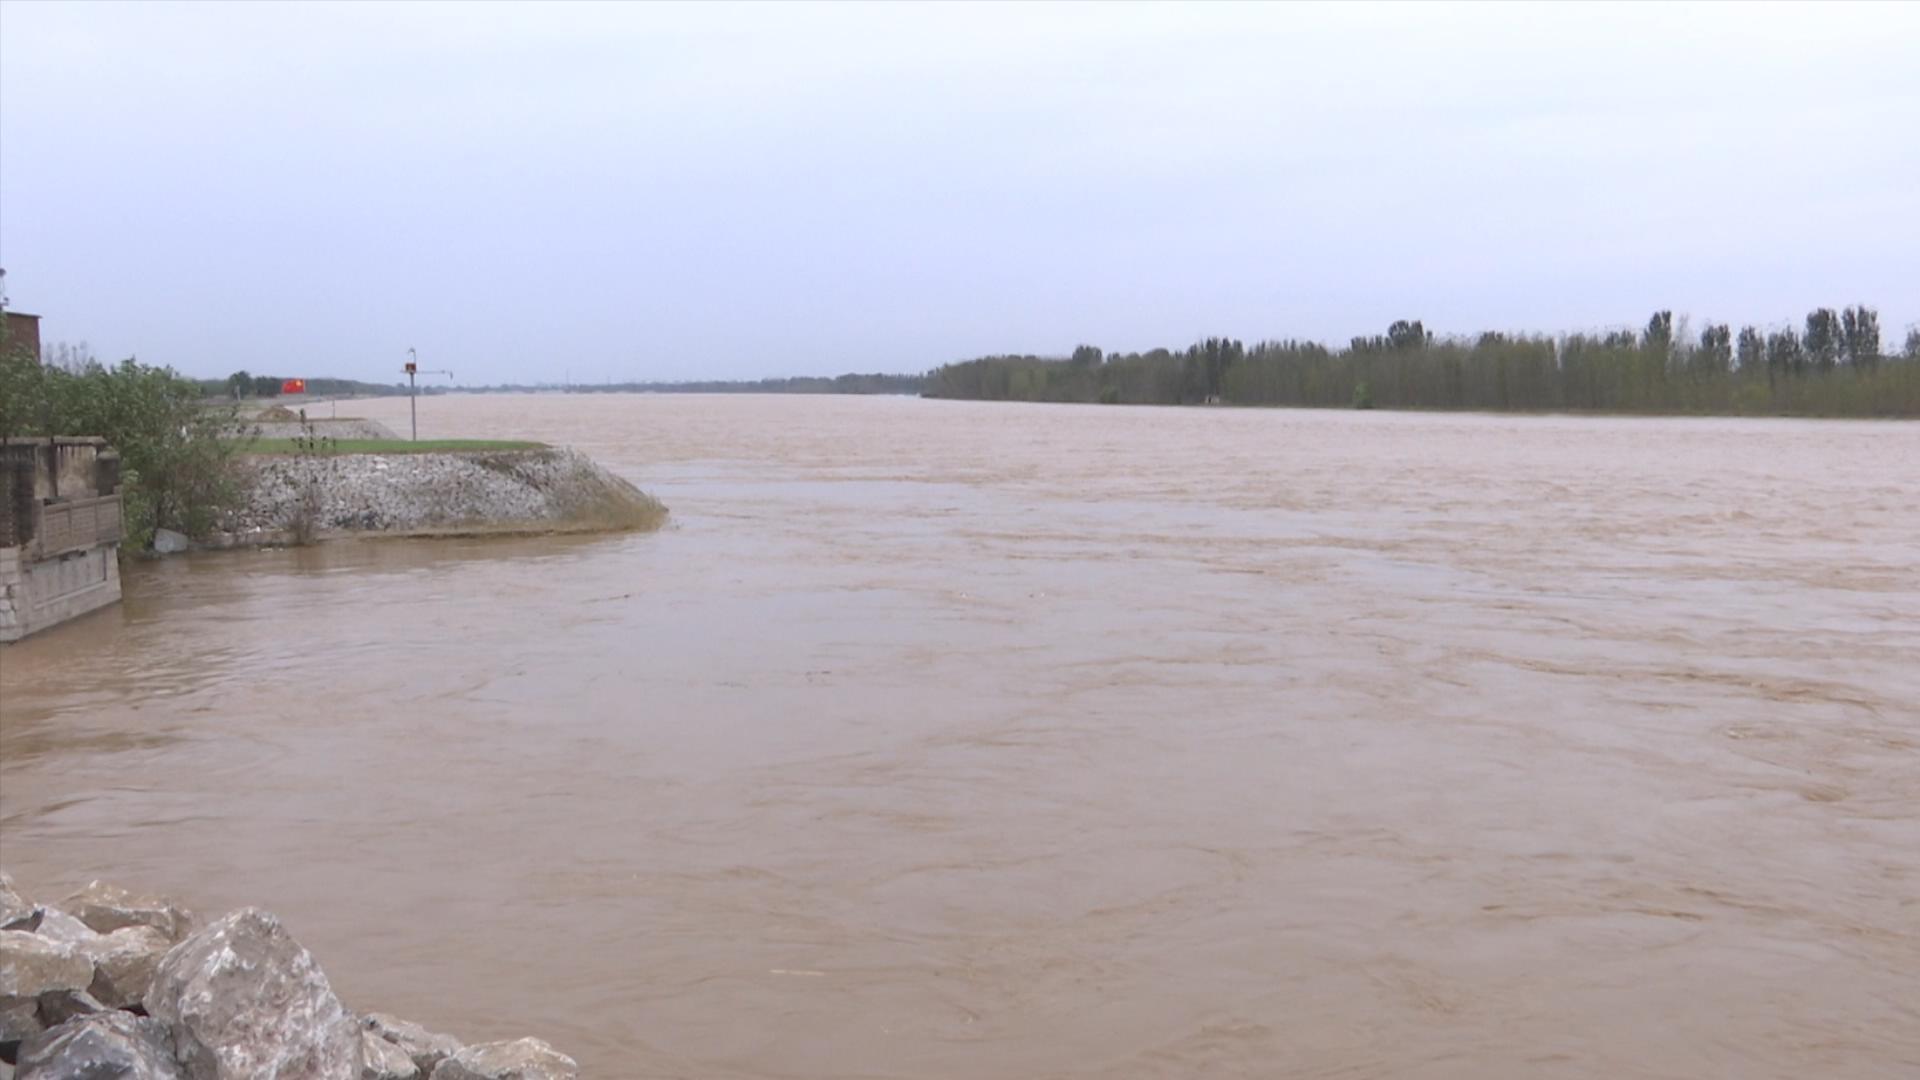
(176, 469)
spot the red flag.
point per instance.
(294, 386)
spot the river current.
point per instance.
(956, 740)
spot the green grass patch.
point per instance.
(382, 446)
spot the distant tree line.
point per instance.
(1836, 366)
(245, 384)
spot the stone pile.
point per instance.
(536, 490)
(115, 986)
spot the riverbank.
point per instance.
(1660, 372)
(301, 497)
(113, 983)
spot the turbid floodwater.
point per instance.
(958, 740)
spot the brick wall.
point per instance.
(24, 331)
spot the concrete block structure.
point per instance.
(60, 531)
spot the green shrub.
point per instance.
(176, 469)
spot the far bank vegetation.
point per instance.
(1835, 366)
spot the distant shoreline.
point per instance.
(1837, 368)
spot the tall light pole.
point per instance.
(413, 396)
(413, 393)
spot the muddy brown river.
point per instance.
(957, 740)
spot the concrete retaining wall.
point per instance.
(60, 524)
(37, 594)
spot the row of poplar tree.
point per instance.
(1835, 366)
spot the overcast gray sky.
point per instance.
(720, 191)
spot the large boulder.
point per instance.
(244, 1000)
(31, 965)
(20, 1019)
(385, 1061)
(13, 906)
(424, 1048)
(105, 1046)
(521, 1059)
(106, 908)
(124, 962)
(59, 1006)
(28, 920)
(51, 922)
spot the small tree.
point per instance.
(1784, 354)
(1753, 349)
(1860, 335)
(71, 358)
(23, 392)
(1658, 338)
(1408, 335)
(1823, 338)
(1715, 356)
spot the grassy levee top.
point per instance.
(383, 446)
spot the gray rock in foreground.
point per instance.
(424, 1048)
(106, 908)
(521, 1059)
(56, 925)
(31, 965)
(383, 1060)
(60, 1006)
(109, 1045)
(12, 905)
(20, 1019)
(124, 962)
(239, 999)
(244, 1000)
